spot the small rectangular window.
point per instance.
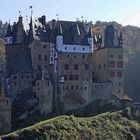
(76, 77)
(22, 76)
(83, 56)
(111, 64)
(39, 67)
(67, 56)
(99, 66)
(65, 77)
(119, 64)
(32, 76)
(76, 66)
(71, 77)
(45, 57)
(39, 57)
(86, 67)
(66, 66)
(111, 56)
(119, 84)
(111, 73)
(104, 65)
(120, 56)
(119, 74)
(44, 46)
(72, 87)
(27, 76)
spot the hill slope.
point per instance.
(109, 126)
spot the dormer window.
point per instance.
(65, 48)
(83, 49)
(35, 26)
(44, 46)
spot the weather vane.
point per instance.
(31, 8)
(57, 16)
(19, 13)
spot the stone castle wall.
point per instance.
(5, 114)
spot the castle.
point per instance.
(58, 66)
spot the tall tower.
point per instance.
(5, 111)
(15, 40)
(109, 60)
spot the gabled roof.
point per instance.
(23, 63)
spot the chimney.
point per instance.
(53, 23)
(20, 19)
(43, 19)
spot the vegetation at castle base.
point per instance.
(119, 125)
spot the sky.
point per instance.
(126, 12)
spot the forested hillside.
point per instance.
(119, 125)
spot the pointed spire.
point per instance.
(121, 39)
(9, 31)
(31, 32)
(59, 30)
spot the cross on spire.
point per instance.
(19, 13)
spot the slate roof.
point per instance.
(23, 63)
(73, 32)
